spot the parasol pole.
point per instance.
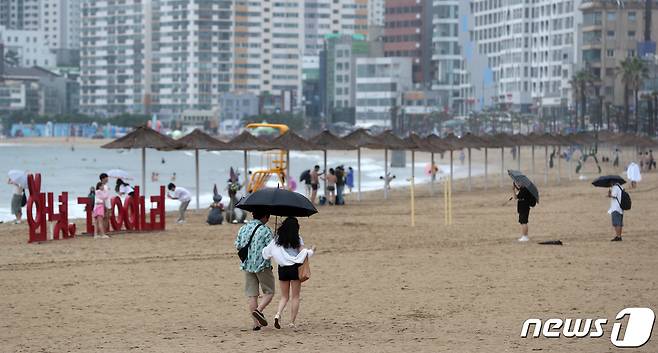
(469, 169)
(288, 168)
(326, 196)
(432, 174)
(451, 169)
(196, 168)
(518, 158)
(413, 201)
(143, 171)
(358, 161)
(246, 170)
(559, 164)
(386, 174)
(546, 164)
(502, 165)
(533, 159)
(486, 168)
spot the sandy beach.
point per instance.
(378, 285)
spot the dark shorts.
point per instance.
(331, 188)
(289, 273)
(314, 186)
(617, 219)
(524, 214)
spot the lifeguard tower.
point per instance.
(277, 162)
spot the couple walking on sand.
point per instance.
(287, 249)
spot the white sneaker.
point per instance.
(524, 238)
(180, 221)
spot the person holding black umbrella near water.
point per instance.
(527, 196)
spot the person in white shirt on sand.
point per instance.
(615, 211)
(181, 194)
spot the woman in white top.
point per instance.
(288, 251)
(122, 188)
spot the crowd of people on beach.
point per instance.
(335, 180)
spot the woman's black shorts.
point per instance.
(289, 273)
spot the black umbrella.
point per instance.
(277, 202)
(524, 181)
(607, 181)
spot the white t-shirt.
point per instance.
(18, 190)
(108, 202)
(615, 200)
(182, 194)
(125, 189)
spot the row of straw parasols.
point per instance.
(145, 138)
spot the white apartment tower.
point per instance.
(322, 17)
(532, 49)
(268, 47)
(159, 56)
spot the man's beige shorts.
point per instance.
(264, 278)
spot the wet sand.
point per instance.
(377, 284)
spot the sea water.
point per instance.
(75, 168)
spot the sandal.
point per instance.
(277, 317)
(256, 328)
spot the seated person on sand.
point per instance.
(215, 216)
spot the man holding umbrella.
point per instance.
(527, 196)
(255, 235)
(619, 201)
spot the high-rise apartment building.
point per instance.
(268, 47)
(159, 56)
(20, 14)
(532, 49)
(322, 17)
(376, 9)
(611, 33)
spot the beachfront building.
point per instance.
(322, 17)
(532, 49)
(610, 35)
(376, 10)
(55, 22)
(238, 105)
(338, 75)
(380, 84)
(36, 91)
(408, 32)
(268, 39)
(450, 75)
(26, 48)
(161, 57)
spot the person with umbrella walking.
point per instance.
(527, 196)
(255, 236)
(617, 201)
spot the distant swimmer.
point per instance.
(163, 160)
(72, 148)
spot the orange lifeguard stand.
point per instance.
(277, 162)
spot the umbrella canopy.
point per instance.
(278, 202)
(419, 143)
(525, 182)
(290, 141)
(246, 142)
(471, 141)
(361, 138)
(144, 137)
(453, 141)
(199, 140)
(119, 174)
(437, 144)
(328, 141)
(392, 142)
(19, 177)
(607, 181)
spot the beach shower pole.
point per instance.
(386, 174)
(546, 164)
(143, 171)
(196, 169)
(502, 165)
(358, 161)
(469, 170)
(486, 168)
